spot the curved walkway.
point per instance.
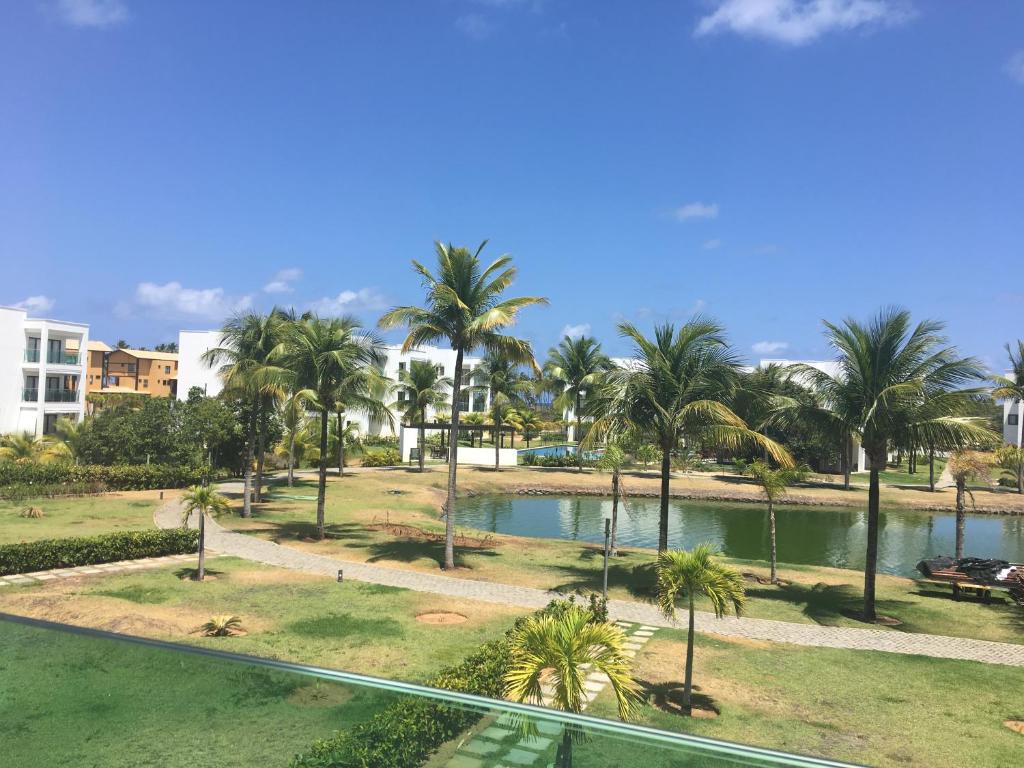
(251, 548)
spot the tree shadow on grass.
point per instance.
(637, 578)
(300, 530)
(825, 604)
(192, 574)
(668, 697)
(411, 550)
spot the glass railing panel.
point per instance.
(71, 697)
(61, 395)
(30, 394)
(31, 355)
(62, 358)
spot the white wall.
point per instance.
(192, 370)
(1013, 433)
(12, 352)
(484, 457)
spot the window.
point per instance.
(145, 382)
(167, 369)
(401, 366)
(90, 378)
(1013, 419)
(479, 402)
(50, 423)
(401, 395)
(440, 370)
(131, 367)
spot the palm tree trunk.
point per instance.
(871, 559)
(931, 467)
(579, 433)
(847, 461)
(666, 469)
(423, 436)
(563, 757)
(612, 550)
(260, 454)
(250, 452)
(291, 459)
(961, 486)
(202, 545)
(688, 674)
(321, 492)
(771, 531)
(453, 461)
(341, 444)
(497, 444)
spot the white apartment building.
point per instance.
(1013, 420)
(193, 371)
(42, 372)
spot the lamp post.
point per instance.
(607, 539)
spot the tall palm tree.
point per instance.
(965, 466)
(690, 575)
(205, 501)
(530, 424)
(504, 378)
(424, 387)
(465, 307)
(292, 412)
(1012, 387)
(675, 389)
(886, 368)
(773, 484)
(570, 373)
(243, 354)
(318, 359)
(556, 653)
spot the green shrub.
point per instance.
(1007, 482)
(25, 491)
(122, 477)
(388, 441)
(43, 555)
(386, 458)
(569, 460)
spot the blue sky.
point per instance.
(768, 162)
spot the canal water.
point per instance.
(807, 535)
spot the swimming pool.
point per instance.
(549, 450)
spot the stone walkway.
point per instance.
(121, 566)
(890, 641)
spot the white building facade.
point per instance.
(1013, 420)
(42, 372)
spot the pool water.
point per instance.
(549, 450)
(806, 535)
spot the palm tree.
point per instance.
(965, 466)
(246, 343)
(203, 500)
(773, 484)
(1011, 387)
(504, 378)
(613, 459)
(24, 446)
(424, 387)
(292, 412)
(72, 433)
(321, 359)
(363, 391)
(571, 372)
(691, 574)
(464, 306)
(1011, 457)
(886, 368)
(555, 653)
(530, 424)
(674, 389)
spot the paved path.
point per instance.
(120, 566)
(891, 641)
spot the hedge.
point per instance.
(386, 458)
(89, 550)
(122, 477)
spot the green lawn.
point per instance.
(859, 706)
(86, 516)
(899, 474)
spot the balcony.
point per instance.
(84, 697)
(62, 358)
(31, 355)
(61, 396)
(30, 395)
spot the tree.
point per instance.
(886, 368)
(464, 306)
(363, 390)
(773, 484)
(24, 446)
(1012, 387)
(571, 371)
(203, 500)
(504, 377)
(168, 346)
(560, 651)
(71, 436)
(295, 422)
(529, 423)
(675, 389)
(246, 343)
(319, 360)
(613, 459)
(965, 466)
(689, 575)
(424, 387)
(1011, 457)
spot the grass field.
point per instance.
(85, 516)
(859, 706)
(899, 474)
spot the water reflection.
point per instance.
(813, 536)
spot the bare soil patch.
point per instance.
(1017, 726)
(441, 618)
(412, 532)
(321, 695)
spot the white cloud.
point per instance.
(363, 300)
(710, 245)
(474, 26)
(174, 299)
(696, 210)
(796, 22)
(1015, 66)
(767, 347)
(282, 282)
(575, 331)
(35, 304)
(698, 306)
(92, 13)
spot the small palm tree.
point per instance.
(773, 484)
(292, 412)
(530, 424)
(1011, 387)
(24, 446)
(571, 372)
(424, 388)
(504, 377)
(1011, 457)
(71, 434)
(466, 308)
(965, 466)
(203, 500)
(222, 625)
(690, 575)
(554, 655)
(613, 459)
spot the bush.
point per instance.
(90, 550)
(569, 460)
(386, 458)
(388, 441)
(1007, 482)
(25, 491)
(123, 477)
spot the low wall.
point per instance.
(484, 457)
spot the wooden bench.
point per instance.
(981, 590)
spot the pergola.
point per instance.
(475, 431)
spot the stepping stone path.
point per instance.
(121, 566)
(501, 746)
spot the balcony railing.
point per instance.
(62, 358)
(31, 355)
(93, 698)
(61, 396)
(30, 395)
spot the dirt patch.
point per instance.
(746, 642)
(462, 540)
(321, 695)
(888, 621)
(1017, 726)
(441, 618)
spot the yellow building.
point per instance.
(131, 371)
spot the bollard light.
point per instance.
(340, 575)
